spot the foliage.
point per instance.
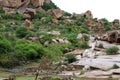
(29, 50)
(21, 32)
(57, 50)
(106, 24)
(80, 21)
(70, 58)
(47, 6)
(5, 46)
(1, 10)
(15, 17)
(100, 45)
(82, 44)
(112, 50)
(39, 15)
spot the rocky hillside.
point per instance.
(31, 29)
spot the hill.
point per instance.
(32, 29)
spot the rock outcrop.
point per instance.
(114, 36)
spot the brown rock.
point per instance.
(26, 16)
(14, 3)
(88, 14)
(28, 24)
(9, 10)
(47, 1)
(55, 21)
(37, 3)
(57, 13)
(89, 23)
(31, 12)
(41, 10)
(68, 21)
(10, 3)
(22, 8)
(114, 36)
(116, 21)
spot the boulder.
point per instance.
(114, 36)
(9, 11)
(26, 16)
(57, 13)
(4, 3)
(40, 9)
(22, 8)
(14, 3)
(55, 21)
(88, 14)
(31, 12)
(89, 23)
(116, 21)
(28, 24)
(37, 3)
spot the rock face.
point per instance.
(114, 36)
(57, 13)
(9, 11)
(116, 21)
(22, 8)
(88, 14)
(37, 3)
(10, 3)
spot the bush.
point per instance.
(100, 45)
(48, 18)
(39, 15)
(82, 44)
(49, 6)
(27, 50)
(70, 58)
(5, 46)
(7, 62)
(56, 50)
(21, 32)
(112, 50)
(15, 17)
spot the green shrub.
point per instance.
(112, 50)
(46, 6)
(70, 58)
(5, 46)
(48, 18)
(100, 45)
(29, 50)
(15, 17)
(39, 15)
(82, 44)
(80, 21)
(21, 32)
(56, 50)
(106, 24)
(1, 10)
(7, 62)
(86, 37)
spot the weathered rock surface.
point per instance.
(96, 74)
(54, 33)
(28, 24)
(57, 13)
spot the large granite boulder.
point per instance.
(37, 3)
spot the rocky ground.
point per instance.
(99, 66)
